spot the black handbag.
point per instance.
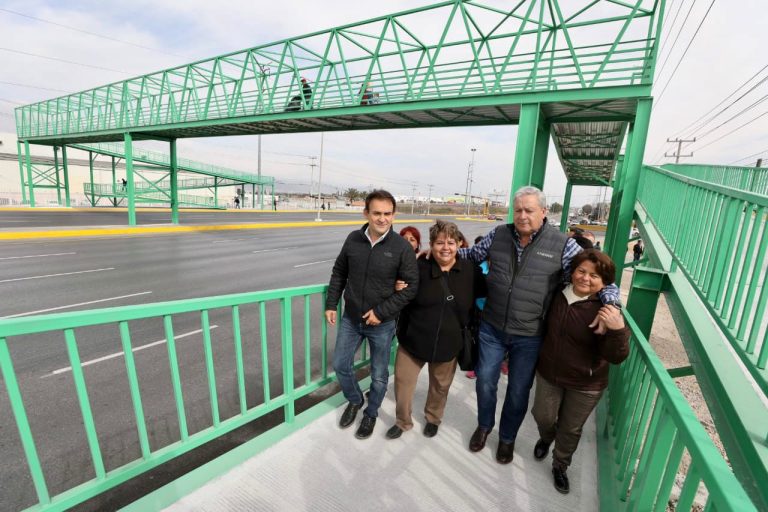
(467, 357)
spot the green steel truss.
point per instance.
(454, 63)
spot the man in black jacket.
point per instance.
(370, 262)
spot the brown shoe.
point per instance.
(477, 441)
(505, 452)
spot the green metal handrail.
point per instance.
(147, 194)
(645, 425)
(750, 179)
(481, 50)
(66, 324)
(719, 238)
(164, 159)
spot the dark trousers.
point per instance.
(560, 414)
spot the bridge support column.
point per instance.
(30, 184)
(129, 178)
(647, 285)
(174, 183)
(93, 184)
(114, 183)
(56, 170)
(21, 172)
(216, 191)
(531, 150)
(65, 166)
(274, 200)
(566, 207)
(633, 162)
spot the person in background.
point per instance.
(583, 241)
(637, 250)
(430, 329)
(412, 236)
(572, 371)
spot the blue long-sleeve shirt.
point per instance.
(481, 250)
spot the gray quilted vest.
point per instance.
(519, 294)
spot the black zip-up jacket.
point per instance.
(429, 328)
(367, 276)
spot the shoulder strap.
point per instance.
(450, 298)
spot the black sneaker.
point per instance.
(394, 432)
(561, 481)
(349, 415)
(430, 430)
(365, 429)
(541, 449)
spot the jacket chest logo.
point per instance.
(387, 254)
(545, 254)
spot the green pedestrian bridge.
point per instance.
(577, 73)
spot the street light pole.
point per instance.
(429, 199)
(470, 169)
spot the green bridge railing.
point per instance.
(645, 423)
(748, 179)
(449, 50)
(718, 235)
(148, 193)
(645, 427)
(312, 375)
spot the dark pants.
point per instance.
(560, 414)
(523, 353)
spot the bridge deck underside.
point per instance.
(324, 468)
(586, 133)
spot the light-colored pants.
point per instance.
(560, 414)
(407, 369)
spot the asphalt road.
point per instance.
(27, 219)
(49, 276)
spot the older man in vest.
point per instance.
(529, 260)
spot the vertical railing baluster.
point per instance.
(209, 368)
(22, 423)
(323, 338)
(264, 351)
(133, 384)
(307, 342)
(239, 358)
(85, 406)
(173, 362)
(690, 487)
(287, 353)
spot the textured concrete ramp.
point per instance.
(323, 468)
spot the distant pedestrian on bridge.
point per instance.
(637, 250)
(237, 203)
(371, 260)
(125, 183)
(303, 100)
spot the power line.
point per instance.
(741, 112)
(11, 101)
(669, 81)
(94, 34)
(28, 86)
(726, 99)
(734, 130)
(63, 60)
(674, 43)
(749, 157)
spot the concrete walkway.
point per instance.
(323, 468)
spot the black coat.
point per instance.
(429, 328)
(367, 276)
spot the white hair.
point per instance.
(531, 191)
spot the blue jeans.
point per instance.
(523, 354)
(350, 335)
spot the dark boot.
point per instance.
(365, 429)
(505, 452)
(477, 441)
(541, 449)
(561, 481)
(349, 415)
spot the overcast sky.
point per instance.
(728, 50)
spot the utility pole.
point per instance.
(320, 178)
(413, 197)
(261, 185)
(312, 178)
(679, 143)
(470, 170)
(429, 198)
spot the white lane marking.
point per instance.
(270, 250)
(56, 275)
(75, 305)
(120, 354)
(232, 240)
(37, 256)
(313, 263)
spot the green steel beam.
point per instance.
(129, 179)
(566, 207)
(29, 175)
(174, 183)
(21, 172)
